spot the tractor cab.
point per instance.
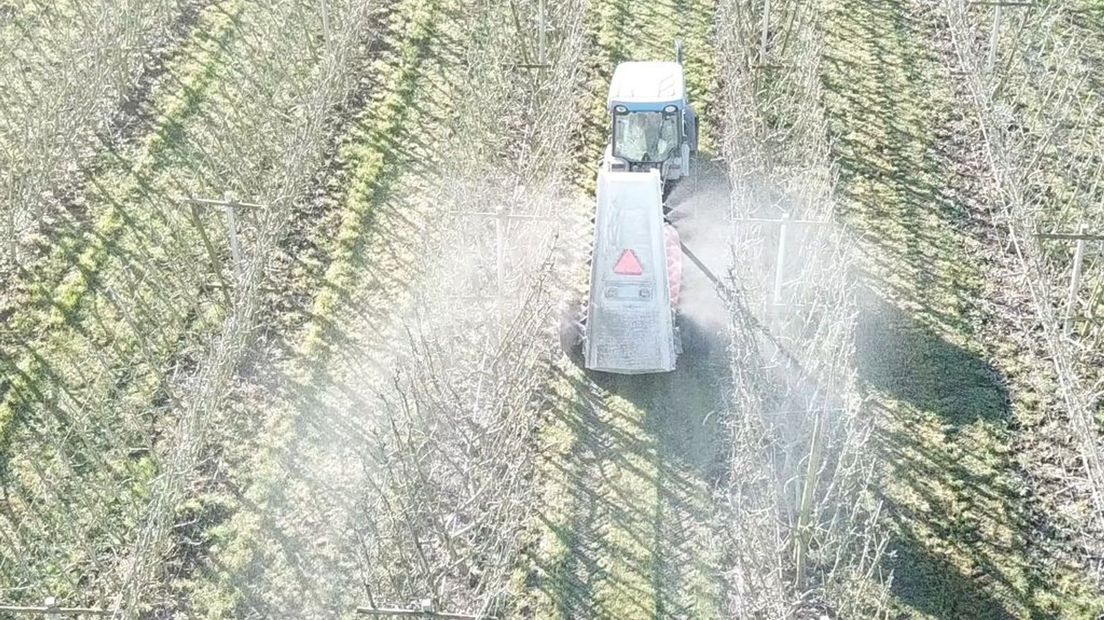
(653, 125)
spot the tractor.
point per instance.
(653, 124)
(630, 323)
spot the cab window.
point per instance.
(645, 136)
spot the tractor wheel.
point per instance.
(672, 247)
(573, 331)
(678, 334)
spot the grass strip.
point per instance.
(54, 308)
(954, 501)
(245, 560)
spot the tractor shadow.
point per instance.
(963, 538)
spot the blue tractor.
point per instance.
(653, 124)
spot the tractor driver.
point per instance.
(647, 136)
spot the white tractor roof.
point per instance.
(647, 82)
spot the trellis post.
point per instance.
(229, 207)
(765, 33)
(1080, 238)
(542, 38)
(502, 219)
(994, 40)
(780, 262)
(1075, 278)
(785, 225)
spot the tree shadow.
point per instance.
(657, 461)
(960, 531)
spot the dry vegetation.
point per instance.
(803, 538)
(369, 408)
(1036, 101)
(122, 337)
(74, 73)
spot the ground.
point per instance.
(383, 417)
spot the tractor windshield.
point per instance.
(645, 136)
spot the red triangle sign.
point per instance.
(628, 264)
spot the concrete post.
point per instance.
(235, 250)
(994, 40)
(780, 262)
(1075, 280)
(766, 31)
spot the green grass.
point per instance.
(955, 504)
(626, 465)
(85, 375)
(119, 313)
(624, 478)
(370, 153)
(255, 563)
(58, 289)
